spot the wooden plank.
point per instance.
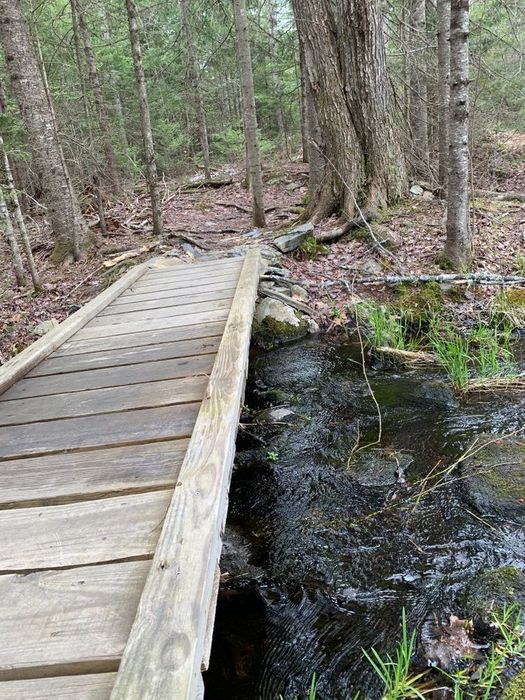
(164, 312)
(125, 356)
(138, 373)
(67, 622)
(148, 424)
(170, 263)
(174, 608)
(194, 271)
(185, 282)
(163, 301)
(94, 686)
(91, 532)
(176, 290)
(142, 339)
(66, 478)
(31, 356)
(93, 401)
(154, 325)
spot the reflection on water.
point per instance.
(322, 578)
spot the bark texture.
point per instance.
(418, 110)
(9, 234)
(195, 85)
(458, 247)
(113, 177)
(443, 48)
(345, 63)
(145, 119)
(253, 155)
(28, 83)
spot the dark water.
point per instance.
(321, 579)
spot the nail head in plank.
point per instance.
(173, 612)
(126, 428)
(69, 621)
(94, 686)
(69, 477)
(138, 373)
(31, 356)
(91, 532)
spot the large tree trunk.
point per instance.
(102, 115)
(28, 83)
(418, 112)
(345, 63)
(195, 85)
(443, 48)
(458, 247)
(147, 134)
(253, 155)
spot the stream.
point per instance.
(320, 557)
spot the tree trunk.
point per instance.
(100, 106)
(418, 113)
(443, 47)
(29, 87)
(276, 81)
(195, 85)
(147, 134)
(253, 155)
(10, 236)
(345, 63)
(13, 205)
(458, 247)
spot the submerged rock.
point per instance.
(495, 478)
(379, 467)
(236, 555)
(490, 591)
(276, 415)
(435, 391)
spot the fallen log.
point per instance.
(287, 300)
(501, 196)
(129, 254)
(200, 184)
(476, 277)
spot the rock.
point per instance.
(445, 646)
(371, 267)
(427, 196)
(275, 322)
(299, 292)
(275, 415)
(294, 238)
(379, 467)
(435, 391)
(313, 326)
(417, 190)
(236, 555)
(494, 478)
(389, 238)
(45, 326)
(490, 591)
(515, 690)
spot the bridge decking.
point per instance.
(117, 434)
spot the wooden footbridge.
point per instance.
(117, 438)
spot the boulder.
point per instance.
(299, 292)
(293, 239)
(275, 322)
(494, 478)
(416, 190)
(45, 326)
(389, 238)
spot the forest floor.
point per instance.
(200, 220)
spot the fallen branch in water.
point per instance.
(476, 277)
(516, 381)
(409, 356)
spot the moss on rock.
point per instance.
(490, 591)
(515, 690)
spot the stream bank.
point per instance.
(321, 557)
